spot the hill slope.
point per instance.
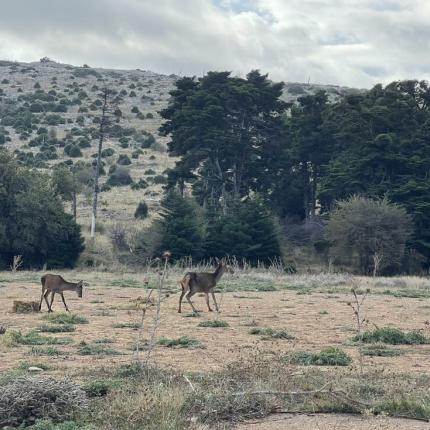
(47, 107)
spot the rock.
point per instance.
(35, 369)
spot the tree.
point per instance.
(370, 234)
(32, 220)
(141, 211)
(107, 110)
(246, 232)
(220, 125)
(381, 143)
(181, 227)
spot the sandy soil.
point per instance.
(331, 422)
(316, 321)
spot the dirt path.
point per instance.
(332, 422)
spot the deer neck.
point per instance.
(218, 273)
(70, 286)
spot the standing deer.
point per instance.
(201, 282)
(56, 284)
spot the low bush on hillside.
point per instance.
(392, 336)
(326, 357)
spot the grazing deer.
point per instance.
(200, 282)
(56, 284)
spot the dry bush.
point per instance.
(20, 307)
(27, 399)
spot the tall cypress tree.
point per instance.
(181, 227)
(246, 232)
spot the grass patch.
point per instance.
(181, 342)
(270, 333)
(380, 351)
(392, 336)
(323, 313)
(104, 340)
(127, 283)
(96, 349)
(50, 351)
(56, 328)
(134, 326)
(214, 323)
(326, 357)
(34, 338)
(192, 315)
(98, 388)
(25, 365)
(65, 318)
(408, 293)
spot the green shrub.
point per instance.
(181, 342)
(326, 357)
(123, 160)
(133, 326)
(392, 336)
(213, 323)
(270, 333)
(56, 328)
(34, 338)
(120, 177)
(141, 211)
(96, 349)
(97, 388)
(49, 351)
(380, 351)
(65, 318)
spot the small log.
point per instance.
(20, 307)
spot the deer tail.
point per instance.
(185, 283)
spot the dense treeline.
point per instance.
(236, 139)
(33, 223)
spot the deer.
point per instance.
(202, 282)
(56, 284)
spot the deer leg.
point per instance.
(52, 299)
(216, 304)
(207, 302)
(188, 297)
(62, 296)
(45, 296)
(180, 300)
(41, 299)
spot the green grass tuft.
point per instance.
(56, 328)
(380, 351)
(96, 349)
(326, 357)
(65, 318)
(270, 333)
(49, 350)
(181, 342)
(134, 326)
(214, 323)
(34, 338)
(392, 336)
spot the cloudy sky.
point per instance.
(344, 42)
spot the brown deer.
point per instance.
(201, 282)
(56, 284)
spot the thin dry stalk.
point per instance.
(17, 263)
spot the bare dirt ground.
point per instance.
(317, 319)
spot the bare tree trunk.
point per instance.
(99, 156)
(74, 204)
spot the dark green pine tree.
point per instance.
(246, 232)
(181, 227)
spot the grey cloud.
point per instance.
(347, 42)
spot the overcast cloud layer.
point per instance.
(345, 42)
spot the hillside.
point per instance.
(48, 107)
